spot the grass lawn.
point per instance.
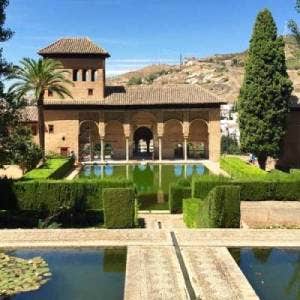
(46, 170)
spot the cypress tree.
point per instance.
(263, 104)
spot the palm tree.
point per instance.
(38, 76)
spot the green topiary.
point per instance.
(119, 207)
(177, 193)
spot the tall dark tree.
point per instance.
(8, 107)
(293, 26)
(265, 94)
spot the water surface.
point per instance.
(152, 180)
(79, 274)
(273, 273)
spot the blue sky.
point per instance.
(140, 32)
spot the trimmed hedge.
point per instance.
(192, 212)
(220, 209)
(119, 207)
(54, 168)
(251, 189)
(177, 193)
(52, 195)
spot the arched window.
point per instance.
(94, 75)
(75, 75)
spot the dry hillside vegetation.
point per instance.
(221, 74)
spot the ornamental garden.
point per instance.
(102, 162)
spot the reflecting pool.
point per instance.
(78, 274)
(273, 273)
(152, 180)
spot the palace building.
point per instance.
(124, 122)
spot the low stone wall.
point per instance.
(256, 214)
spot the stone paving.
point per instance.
(168, 263)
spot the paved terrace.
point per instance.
(168, 264)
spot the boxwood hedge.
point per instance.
(53, 195)
(220, 209)
(119, 207)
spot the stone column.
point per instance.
(214, 135)
(160, 133)
(159, 148)
(102, 134)
(127, 148)
(102, 149)
(127, 130)
(185, 148)
(185, 131)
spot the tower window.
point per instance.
(51, 128)
(94, 75)
(75, 75)
(50, 93)
(84, 73)
(90, 92)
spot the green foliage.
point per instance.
(177, 193)
(55, 168)
(25, 152)
(202, 185)
(293, 26)
(36, 77)
(20, 275)
(238, 168)
(229, 145)
(192, 212)
(51, 196)
(135, 80)
(264, 97)
(220, 209)
(119, 207)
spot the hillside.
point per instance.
(221, 74)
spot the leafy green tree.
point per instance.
(8, 105)
(265, 94)
(293, 26)
(26, 153)
(38, 76)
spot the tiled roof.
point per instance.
(77, 45)
(29, 114)
(147, 95)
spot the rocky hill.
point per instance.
(221, 74)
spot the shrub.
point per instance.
(220, 209)
(202, 185)
(53, 195)
(55, 168)
(135, 80)
(119, 207)
(176, 195)
(229, 145)
(192, 212)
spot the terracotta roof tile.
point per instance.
(147, 95)
(75, 45)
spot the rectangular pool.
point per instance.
(274, 273)
(152, 180)
(78, 274)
